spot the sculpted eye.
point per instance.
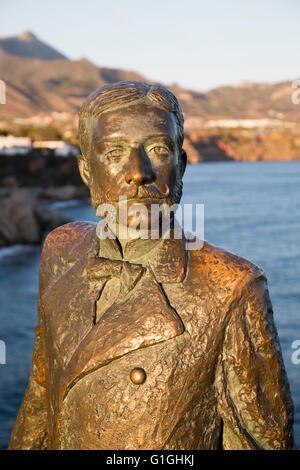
(115, 153)
(158, 150)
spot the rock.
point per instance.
(48, 218)
(64, 193)
(9, 181)
(23, 219)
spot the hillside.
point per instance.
(40, 79)
(41, 84)
(28, 45)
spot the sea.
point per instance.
(251, 209)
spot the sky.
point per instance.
(197, 44)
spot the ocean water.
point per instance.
(252, 209)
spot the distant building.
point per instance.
(61, 148)
(11, 145)
(194, 122)
(247, 123)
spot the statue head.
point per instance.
(131, 137)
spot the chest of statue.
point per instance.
(166, 329)
(175, 407)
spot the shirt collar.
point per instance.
(167, 258)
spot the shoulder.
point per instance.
(69, 240)
(63, 247)
(232, 283)
(223, 268)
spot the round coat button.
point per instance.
(138, 376)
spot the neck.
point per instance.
(134, 249)
(137, 250)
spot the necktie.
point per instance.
(116, 279)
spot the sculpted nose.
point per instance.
(140, 171)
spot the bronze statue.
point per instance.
(140, 343)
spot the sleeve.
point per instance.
(254, 400)
(30, 428)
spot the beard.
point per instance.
(160, 204)
(149, 192)
(176, 194)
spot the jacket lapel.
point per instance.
(69, 304)
(141, 317)
(124, 328)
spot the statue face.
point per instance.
(134, 153)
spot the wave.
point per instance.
(8, 252)
(66, 204)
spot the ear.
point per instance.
(183, 162)
(83, 169)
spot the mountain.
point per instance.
(36, 86)
(40, 79)
(28, 45)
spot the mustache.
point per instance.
(141, 192)
(151, 192)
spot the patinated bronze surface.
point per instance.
(142, 344)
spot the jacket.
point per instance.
(198, 323)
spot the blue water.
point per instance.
(252, 209)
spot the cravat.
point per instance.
(116, 279)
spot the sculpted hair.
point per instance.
(120, 94)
